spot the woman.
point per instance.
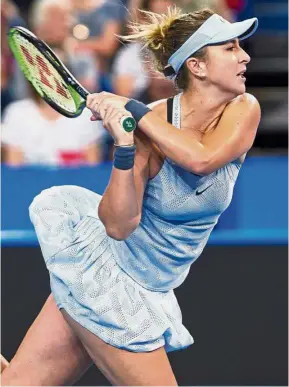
(46, 137)
(115, 260)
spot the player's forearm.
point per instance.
(177, 145)
(118, 209)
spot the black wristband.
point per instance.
(137, 109)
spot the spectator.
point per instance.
(96, 24)
(131, 75)
(219, 6)
(236, 6)
(51, 21)
(11, 87)
(34, 133)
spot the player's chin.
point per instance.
(239, 89)
(235, 88)
(241, 85)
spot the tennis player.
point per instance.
(115, 260)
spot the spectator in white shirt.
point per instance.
(129, 73)
(34, 133)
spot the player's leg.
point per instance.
(50, 353)
(124, 368)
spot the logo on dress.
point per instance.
(203, 190)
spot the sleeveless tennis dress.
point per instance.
(122, 291)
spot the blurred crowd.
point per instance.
(83, 34)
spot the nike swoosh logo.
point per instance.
(205, 189)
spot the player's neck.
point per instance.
(201, 109)
(205, 100)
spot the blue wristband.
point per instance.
(124, 157)
(137, 109)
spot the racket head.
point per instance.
(47, 74)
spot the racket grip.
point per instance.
(128, 123)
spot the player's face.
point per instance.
(226, 65)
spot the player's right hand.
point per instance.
(111, 119)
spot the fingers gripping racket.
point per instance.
(48, 75)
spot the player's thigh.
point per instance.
(50, 353)
(124, 368)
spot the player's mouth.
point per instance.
(241, 75)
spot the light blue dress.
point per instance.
(122, 291)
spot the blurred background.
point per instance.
(235, 300)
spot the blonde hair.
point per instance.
(164, 34)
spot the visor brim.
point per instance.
(241, 30)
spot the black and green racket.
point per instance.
(50, 78)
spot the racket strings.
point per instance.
(42, 74)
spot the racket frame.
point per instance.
(62, 70)
(128, 123)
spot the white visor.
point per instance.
(214, 30)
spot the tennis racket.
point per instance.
(50, 78)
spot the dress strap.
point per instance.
(177, 111)
(170, 110)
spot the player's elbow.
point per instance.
(201, 167)
(121, 232)
(115, 234)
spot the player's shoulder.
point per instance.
(245, 105)
(245, 100)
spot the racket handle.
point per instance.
(128, 123)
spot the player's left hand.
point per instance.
(99, 102)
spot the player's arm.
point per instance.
(233, 137)
(121, 205)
